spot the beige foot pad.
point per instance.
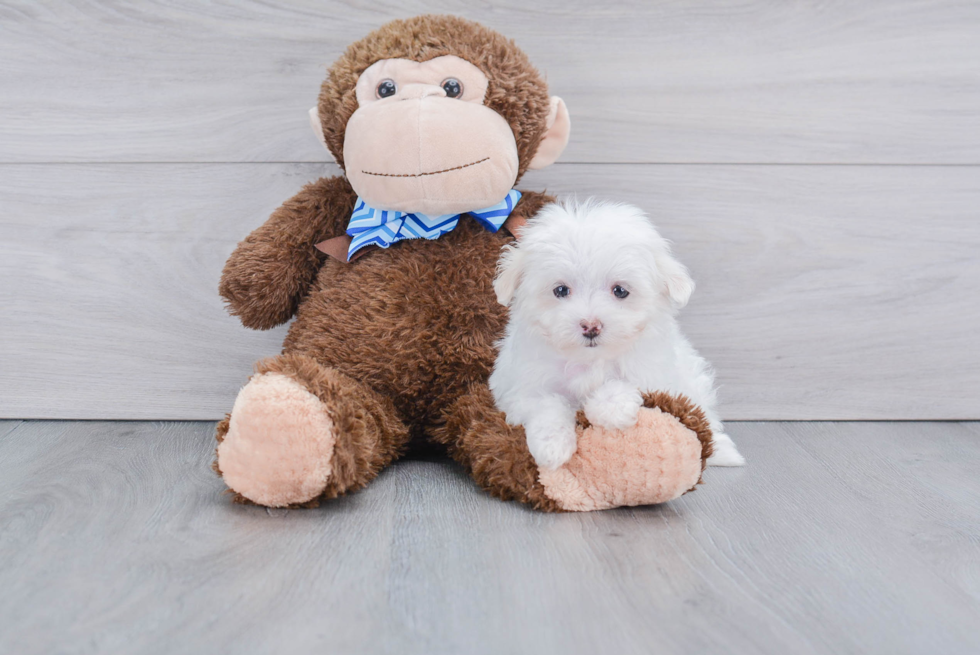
(279, 444)
(653, 462)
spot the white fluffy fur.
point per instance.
(548, 367)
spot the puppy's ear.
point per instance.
(679, 284)
(509, 271)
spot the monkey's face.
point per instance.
(422, 140)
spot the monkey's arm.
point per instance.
(272, 269)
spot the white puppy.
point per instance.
(593, 293)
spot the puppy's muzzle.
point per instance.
(591, 330)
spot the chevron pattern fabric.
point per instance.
(370, 226)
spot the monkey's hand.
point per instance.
(271, 270)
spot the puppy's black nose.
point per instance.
(591, 329)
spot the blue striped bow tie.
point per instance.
(370, 226)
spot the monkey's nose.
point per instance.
(419, 91)
(591, 329)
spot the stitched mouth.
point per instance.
(445, 170)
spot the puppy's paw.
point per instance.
(724, 452)
(614, 405)
(551, 445)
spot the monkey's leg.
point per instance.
(300, 432)
(657, 460)
(494, 453)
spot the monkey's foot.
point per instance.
(658, 459)
(279, 443)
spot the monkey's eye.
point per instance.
(387, 88)
(620, 292)
(452, 87)
(561, 291)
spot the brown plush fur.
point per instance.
(270, 272)
(416, 322)
(494, 453)
(399, 343)
(413, 325)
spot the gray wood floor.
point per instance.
(838, 538)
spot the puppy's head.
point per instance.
(591, 277)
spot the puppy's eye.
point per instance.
(452, 87)
(386, 88)
(620, 292)
(561, 291)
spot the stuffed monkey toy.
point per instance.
(388, 272)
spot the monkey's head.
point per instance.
(439, 115)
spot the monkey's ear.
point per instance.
(318, 130)
(509, 271)
(555, 137)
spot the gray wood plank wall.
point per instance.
(817, 166)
